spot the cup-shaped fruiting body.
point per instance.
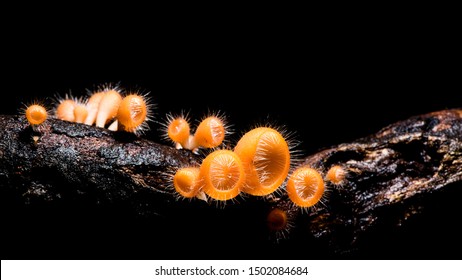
(222, 175)
(93, 106)
(210, 132)
(178, 130)
(265, 155)
(133, 113)
(80, 112)
(108, 107)
(336, 175)
(186, 181)
(305, 186)
(71, 110)
(65, 110)
(36, 114)
(277, 220)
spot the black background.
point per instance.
(327, 83)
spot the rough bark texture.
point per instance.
(107, 192)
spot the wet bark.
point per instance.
(113, 188)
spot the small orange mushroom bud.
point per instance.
(186, 181)
(336, 174)
(36, 114)
(277, 220)
(305, 187)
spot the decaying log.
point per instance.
(92, 186)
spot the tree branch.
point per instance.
(87, 181)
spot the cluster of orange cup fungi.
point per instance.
(306, 187)
(110, 108)
(258, 165)
(107, 107)
(210, 132)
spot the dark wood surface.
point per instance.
(85, 192)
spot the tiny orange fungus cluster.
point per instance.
(260, 164)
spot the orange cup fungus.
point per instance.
(36, 114)
(80, 112)
(186, 181)
(71, 110)
(210, 133)
(178, 130)
(336, 175)
(132, 113)
(305, 187)
(277, 220)
(265, 156)
(222, 175)
(65, 110)
(107, 108)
